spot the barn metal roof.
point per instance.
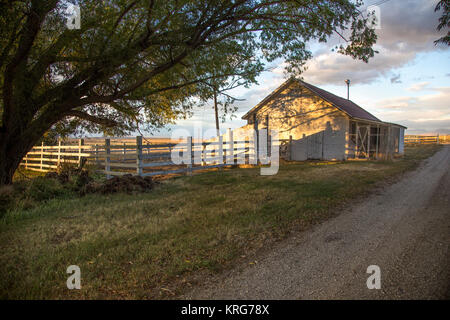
(345, 105)
(348, 106)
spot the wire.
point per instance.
(375, 4)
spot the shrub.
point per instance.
(42, 188)
(6, 198)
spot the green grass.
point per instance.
(154, 245)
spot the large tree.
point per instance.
(146, 61)
(444, 21)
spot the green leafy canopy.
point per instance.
(148, 62)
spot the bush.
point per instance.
(126, 184)
(26, 193)
(6, 197)
(68, 181)
(43, 188)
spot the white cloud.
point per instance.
(427, 126)
(408, 28)
(418, 86)
(333, 68)
(427, 113)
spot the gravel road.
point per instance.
(404, 229)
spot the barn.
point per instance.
(315, 124)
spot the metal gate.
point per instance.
(362, 142)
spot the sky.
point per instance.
(407, 82)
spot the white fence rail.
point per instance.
(427, 139)
(144, 159)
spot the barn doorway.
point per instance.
(362, 142)
(365, 140)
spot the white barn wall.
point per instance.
(310, 120)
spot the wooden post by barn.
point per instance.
(388, 150)
(356, 140)
(378, 139)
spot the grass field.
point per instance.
(156, 244)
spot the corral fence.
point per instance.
(140, 157)
(427, 139)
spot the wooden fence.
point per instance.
(143, 159)
(427, 139)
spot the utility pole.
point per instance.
(348, 88)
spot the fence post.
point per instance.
(59, 152)
(139, 155)
(107, 158)
(230, 151)
(189, 152)
(246, 150)
(96, 155)
(253, 155)
(42, 153)
(437, 139)
(80, 149)
(213, 152)
(203, 154)
(124, 151)
(220, 151)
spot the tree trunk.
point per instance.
(8, 165)
(12, 150)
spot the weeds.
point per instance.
(154, 245)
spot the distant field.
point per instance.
(157, 244)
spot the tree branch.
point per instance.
(85, 116)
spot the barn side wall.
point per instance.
(318, 129)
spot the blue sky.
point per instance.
(408, 82)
